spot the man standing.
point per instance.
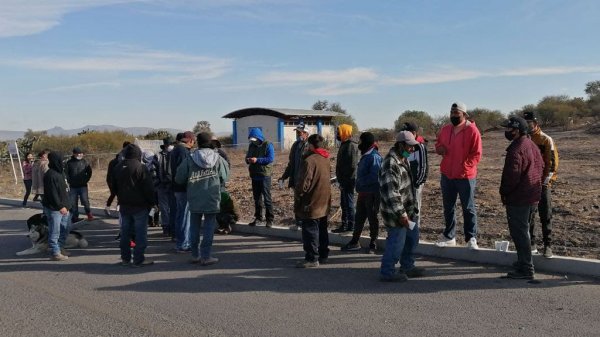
(295, 161)
(459, 144)
(56, 202)
(345, 170)
(550, 157)
(132, 184)
(367, 187)
(520, 190)
(204, 172)
(260, 158)
(109, 171)
(312, 201)
(79, 173)
(166, 198)
(182, 230)
(419, 168)
(398, 206)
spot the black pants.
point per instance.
(315, 239)
(27, 183)
(367, 207)
(261, 189)
(544, 209)
(518, 226)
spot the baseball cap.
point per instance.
(77, 150)
(300, 127)
(529, 115)
(460, 106)
(515, 122)
(406, 137)
(409, 126)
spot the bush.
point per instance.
(486, 119)
(421, 118)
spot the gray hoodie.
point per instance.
(204, 171)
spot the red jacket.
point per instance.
(521, 183)
(463, 151)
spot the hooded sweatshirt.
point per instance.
(312, 193)
(132, 183)
(263, 152)
(203, 173)
(367, 177)
(463, 151)
(347, 158)
(56, 191)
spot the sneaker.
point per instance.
(351, 247)
(445, 242)
(254, 222)
(107, 211)
(294, 227)
(143, 264)
(208, 261)
(323, 260)
(182, 251)
(59, 257)
(372, 249)
(64, 252)
(269, 224)
(472, 244)
(195, 260)
(415, 272)
(341, 229)
(90, 217)
(400, 277)
(307, 264)
(534, 250)
(519, 275)
(548, 252)
(125, 263)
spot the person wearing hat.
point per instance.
(459, 144)
(204, 172)
(295, 161)
(550, 157)
(164, 189)
(78, 174)
(398, 204)
(260, 157)
(520, 191)
(312, 202)
(182, 228)
(109, 172)
(345, 172)
(419, 169)
(367, 187)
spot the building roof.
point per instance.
(281, 113)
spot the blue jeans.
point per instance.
(182, 223)
(134, 225)
(58, 229)
(407, 259)
(82, 194)
(164, 205)
(208, 230)
(347, 205)
(261, 189)
(465, 188)
(394, 246)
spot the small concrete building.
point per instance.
(278, 124)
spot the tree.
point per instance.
(383, 134)
(421, 118)
(158, 134)
(29, 140)
(486, 119)
(324, 105)
(201, 126)
(592, 88)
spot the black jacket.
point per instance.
(79, 172)
(56, 191)
(131, 181)
(346, 165)
(179, 153)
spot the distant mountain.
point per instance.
(57, 131)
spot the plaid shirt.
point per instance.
(396, 190)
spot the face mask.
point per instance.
(405, 154)
(455, 120)
(362, 147)
(509, 135)
(79, 157)
(170, 148)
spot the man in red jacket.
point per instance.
(460, 145)
(520, 190)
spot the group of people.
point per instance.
(189, 187)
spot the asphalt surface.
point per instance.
(256, 291)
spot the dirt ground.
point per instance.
(575, 196)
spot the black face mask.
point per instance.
(509, 135)
(455, 120)
(362, 147)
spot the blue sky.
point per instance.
(170, 63)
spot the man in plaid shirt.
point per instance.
(398, 207)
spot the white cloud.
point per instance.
(152, 65)
(81, 86)
(27, 17)
(346, 76)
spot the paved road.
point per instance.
(255, 291)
